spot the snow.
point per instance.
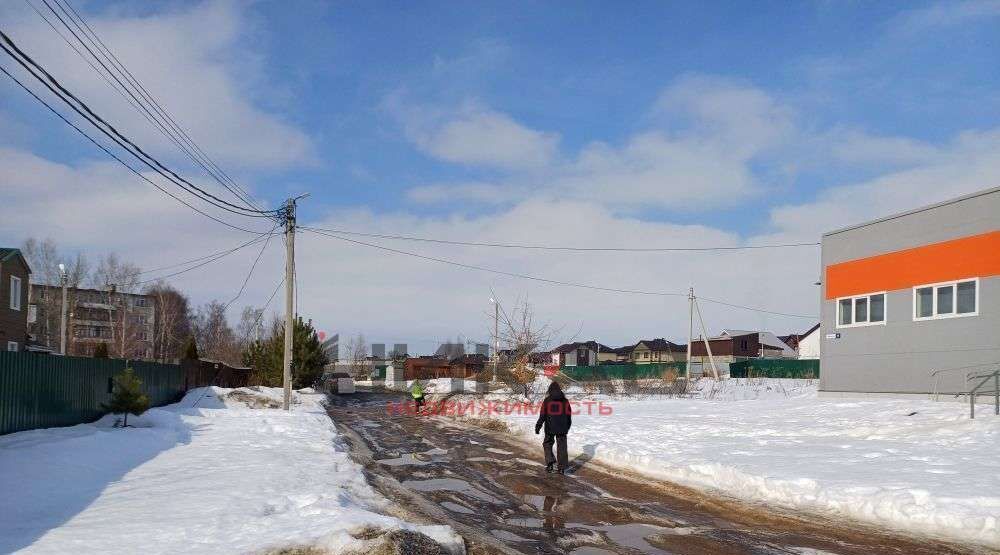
(209, 474)
(914, 465)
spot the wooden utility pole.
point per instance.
(687, 371)
(289, 300)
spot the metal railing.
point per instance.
(985, 377)
(936, 374)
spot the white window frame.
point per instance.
(868, 297)
(15, 300)
(954, 300)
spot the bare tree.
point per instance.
(356, 350)
(172, 324)
(519, 337)
(44, 258)
(216, 340)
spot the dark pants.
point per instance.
(560, 442)
(419, 401)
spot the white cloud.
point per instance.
(200, 65)
(475, 135)
(971, 162)
(705, 132)
(943, 14)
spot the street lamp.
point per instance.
(63, 279)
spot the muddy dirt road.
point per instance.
(496, 494)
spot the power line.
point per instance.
(209, 261)
(252, 268)
(186, 262)
(564, 248)
(111, 132)
(122, 162)
(546, 280)
(176, 134)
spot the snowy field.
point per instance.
(212, 477)
(914, 465)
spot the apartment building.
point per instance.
(125, 322)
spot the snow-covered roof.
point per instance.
(765, 337)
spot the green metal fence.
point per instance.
(40, 391)
(606, 372)
(775, 368)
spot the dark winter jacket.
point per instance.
(555, 414)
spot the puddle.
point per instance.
(456, 508)
(529, 462)
(450, 484)
(525, 522)
(499, 451)
(588, 550)
(508, 536)
(417, 459)
(630, 535)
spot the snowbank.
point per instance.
(206, 475)
(915, 465)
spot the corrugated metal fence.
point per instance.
(40, 391)
(775, 368)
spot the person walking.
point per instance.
(555, 415)
(417, 391)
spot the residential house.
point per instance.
(426, 368)
(734, 346)
(648, 351)
(468, 365)
(806, 345)
(14, 292)
(911, 302)
(586, 353)
(123, 321)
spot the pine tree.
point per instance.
(191, 349)
(267, 357)
(127, 396)
(101, 350)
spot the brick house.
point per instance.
(14, 291)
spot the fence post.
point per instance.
(972, 404)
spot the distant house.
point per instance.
(624, 353)
(805, 344)
(809, 343)
(737, 345)
(468, 365)
(426, 368)
(586, 353)
(770, 346)
(14, 288)
(648, 351)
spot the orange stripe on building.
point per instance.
(973, 256)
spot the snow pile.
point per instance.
(915, 465)
(206, 475)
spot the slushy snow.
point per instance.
(206, 475)
(914, 465)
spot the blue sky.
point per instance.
(585, 123)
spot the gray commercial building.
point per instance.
(911, 302)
